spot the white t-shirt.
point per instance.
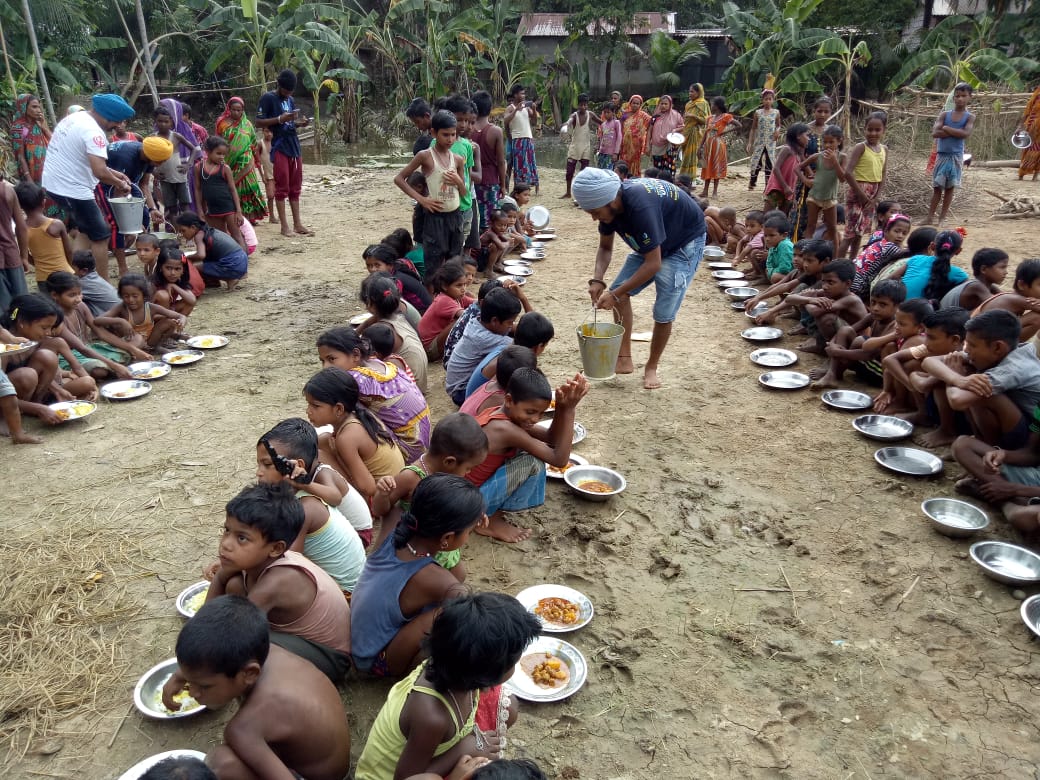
(66, 169)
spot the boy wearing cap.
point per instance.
(665, 229)
(76, 162)
(277, 110)
(137, 160)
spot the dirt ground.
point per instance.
(890, 656)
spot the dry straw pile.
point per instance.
(64, 613)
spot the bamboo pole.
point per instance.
(45, 89)
(7, 63)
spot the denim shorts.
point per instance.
(677, 270)
(85, 215)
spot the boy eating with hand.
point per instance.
(290, 720)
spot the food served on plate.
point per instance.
(208, 341)
(546, 670)
(73, 411)
(179, 358)
(595, 486)
(148, 373)
(194, 604)
(13, 347)
(556, 610)
(560, 471)
(184, 699)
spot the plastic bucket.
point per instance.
(600, 345)
(127, 212)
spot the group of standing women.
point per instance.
(30, 136)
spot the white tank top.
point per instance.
(520, 124)
(446, 193)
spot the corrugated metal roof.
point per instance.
(714, 32)
(555, 25)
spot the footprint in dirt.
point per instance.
(796, 712)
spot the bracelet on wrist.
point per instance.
(597, 281)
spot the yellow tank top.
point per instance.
(386, 461)
(446, 193)
(871, 165)
(48, 252)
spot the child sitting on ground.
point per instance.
(382, 298)
(943, 333)
(989, 269)
(151, 324)
(469, 313)
(879, 254)
(383, 258)
(429, 721)
(49, 247)
(12, 422)
(815, 254)
(172, 281)
(723, 228)
(882, 213)
(304, 605)
(400, 240)
(492, 393)
(402, 586)
(932, 275)
(98, 293)
(98, 350)
(498, 312)
(1023, 301)
(497, 241)
(995, 381)
(447, 306)
(752, 240)
(289, 453)
(907, 334)
(290, 719)
(861, 346)
(533, 330)
(223, 260)
(831, 306)
(360, 447)
(780, 255)
(382, 337)
(458, 444)
(179, 767)
(518, 451)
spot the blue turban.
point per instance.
(112, 107)
(594, 188)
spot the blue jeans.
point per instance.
(671, 282)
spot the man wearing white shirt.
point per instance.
(76, 162)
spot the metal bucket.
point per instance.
(128, 214)
(600, 345)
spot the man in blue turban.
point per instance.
(665, 229)
(77, 161)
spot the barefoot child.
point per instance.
(950, 131)
(446, 181)
(384, 258)
(943, 333)
(822, 199)
(859, 346)
(289, 453)
(907, 334)
(518, 451)
(995, 381)
(579, 125)
(1023, 301)
(359, 447)
(780, 251)
(498, 312)
(448, 305)
(151, 323)
(533, 330)
(305, 607)
(12, 425)
(402, 586)
(97, 349)
(753, 238)
(608, 137)
(831, 306)
(382, 337)
(497, 241)
(49, 247)
(457, 446)
(931, 275)
(98, 293)
(290, 718)
(172, 281)
(865, 173)
(787, 172)
(429, 721)
(491, 394)
(878, 255)
(267, 169)
(765, 131)
(215, 190)
(816, 253)
(222, 257)
(989, 269)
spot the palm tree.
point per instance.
(833, 51)
(667, 56)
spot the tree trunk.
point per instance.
(606, 77)
(146, 52)
(847, 119)
(7, 64)
(45, 89)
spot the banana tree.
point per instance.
(834, 51)
(959, 48)
(666, 57)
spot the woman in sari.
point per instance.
(665, 121)
(29, 137)
(634, 131)
(713, 145)
(243, 150)
(1030, 162)
(695, 118)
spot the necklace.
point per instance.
(478, 737)
(434, 153)
(418, 554)
(422, 462)
(202, 171)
